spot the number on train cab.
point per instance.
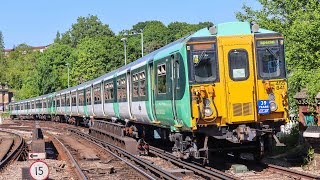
(263, 107)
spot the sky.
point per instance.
(36, 22)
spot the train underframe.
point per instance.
(255, 138)
(75, 120)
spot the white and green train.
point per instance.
(223, 86)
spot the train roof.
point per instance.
(223, 29)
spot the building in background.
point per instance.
(34, 48)
(5, 97)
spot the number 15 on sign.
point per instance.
(39, 170)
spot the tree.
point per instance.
(19, 67)
(95, 57)
(51, 68)
(299, 21)
(2, 59)
(178, 30)
(89, 26)
(57, 39)
(1, 41)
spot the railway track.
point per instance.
(290, 173)
(78, 170)
(208, 173)
(148, 168)
(270, 171)
(14, 151)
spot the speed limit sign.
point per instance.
(39, 170)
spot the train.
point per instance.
(221, 88)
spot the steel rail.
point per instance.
(291, 173)
(111, 148)
(79, 172)
(15, 153)
(204, 172)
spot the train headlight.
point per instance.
(208, 111)
(206, 101)
(273, 106)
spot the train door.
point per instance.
(129, 93)
(152, 91)
(163, 91)
(239, 78)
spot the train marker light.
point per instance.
(213, 30)
(254, 27)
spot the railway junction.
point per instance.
(228, 98)
(71, 153)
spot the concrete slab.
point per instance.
(38, 146)
(85, 152)
(239, 168)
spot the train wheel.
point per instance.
(259, 153)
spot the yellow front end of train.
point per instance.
(252, 87)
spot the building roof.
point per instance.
(33, 48)
(301, 95)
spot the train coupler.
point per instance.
(142, 147)
(242, 133)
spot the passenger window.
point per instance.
(238, 64)
(119, 89)
(108, 91)
(97, 94)
(162, 81)
(63, 97)
(88, 96)
(142, 87)
(81, 98)
(135, 80)
(124, 89)
(73, 99)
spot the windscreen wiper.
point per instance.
(272, 53)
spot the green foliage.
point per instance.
(58, 38)
(1, 45)
(290, 140)
(309, 157)
(299, 21)
(178, 30)
(5, 115)
(51, 68)
(89, 26)
(155, 35)
(96, 56)
(18, 67)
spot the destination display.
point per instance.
(268, 42)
